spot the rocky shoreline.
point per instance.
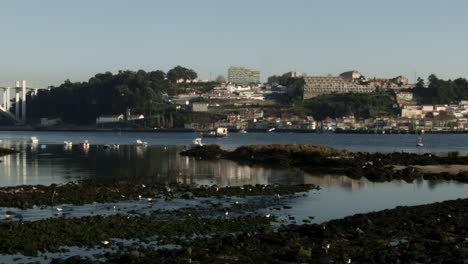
(377, 167)
(433, 233)
(89, 191)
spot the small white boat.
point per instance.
(34, 140)
(197, 142)
(85, 144)
(68, 143)
(242, 131)
(271, 129)
(139, 142)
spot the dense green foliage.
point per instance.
(106, 93)
(441, 91)
(348, 104)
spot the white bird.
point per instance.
(7, 216)
(237, 202)
(150, 199)
(34, 140)
(105, 242)
(143, 186)
(59, 209)
(349, 261)
(139, 196)
(267, 216)
(226, 213)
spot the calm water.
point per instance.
(364, 142)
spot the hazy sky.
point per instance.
(49, 41)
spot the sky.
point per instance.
(48, 41)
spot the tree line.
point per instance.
(359, 105)
(108, 94)
(439, 91)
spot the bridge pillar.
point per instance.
(17, 105)
(4, 97)
(23, 97)
(7, 103)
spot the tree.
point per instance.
(179, 72)
(220, 79)
(420, 83)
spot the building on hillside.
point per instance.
(351, 75)
(200, 107)
(117, 118)
(294, 74)
(243, 75)
(315, 86)
(109, 119)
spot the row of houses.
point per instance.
(421, 111)
(390, 123)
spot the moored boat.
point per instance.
(219, 132)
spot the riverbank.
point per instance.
(433, 233)
(249, 130)
(373, 166)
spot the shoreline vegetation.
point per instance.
(376, 167)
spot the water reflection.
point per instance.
(46, 164)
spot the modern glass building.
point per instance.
(243, 75)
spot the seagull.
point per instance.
(59, 209)
(349, 261)
(143, 186)
(226, 213)
(237, 202)
(139, 196)
(105, 242)
(150, 199)
(267, 216)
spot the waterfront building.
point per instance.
(243, 75)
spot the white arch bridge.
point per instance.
(19, 101)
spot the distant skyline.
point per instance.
(46, 42)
